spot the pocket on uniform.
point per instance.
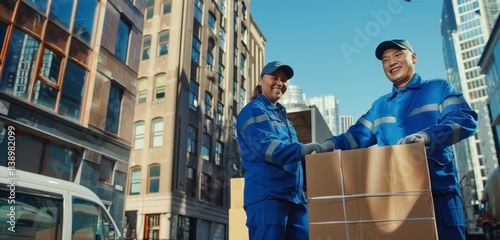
(274, 218)
(453, 217)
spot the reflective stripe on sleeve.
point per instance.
(425, 108)
(252, 120)
(451, 101)
(382, 120)
(270, 150)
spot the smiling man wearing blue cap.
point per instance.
(430, 112)
(272, 156)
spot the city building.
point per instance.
(328, 106)
(293, 97)
(491, 68)
(466, 27)
(68, 72)
(199, 63)
(345, 122)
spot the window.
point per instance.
(157, 132)
(211, 22)
(206, 147)
(220, 75)
(191, 140)
(193, 95)
(44, 157)
(46, 90)
(150, 7)
(106, 170)
(160, 87)
(85, 19)
(154, 179)
(146, 47)
(72, 91)
(206, 187)
(210, 60)
(218, 153)
(208, 104)
(17, 70)
(198, 10)
(135, 181)
(139, 130)
(114, 107)
(242, 65)
(60, 162)
(186, 228)
(220, 113)
(60, 12)
(142, 91)
(195, 54)
(190, 182)
(163, 43)
(152, 227)
(242, 97)
(166, 6)
(122, 38)
(222, 39)
(218, 192)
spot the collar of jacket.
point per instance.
(269, 105)
(413, 84)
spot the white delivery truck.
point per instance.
(38, 207)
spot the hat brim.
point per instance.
(387, 45)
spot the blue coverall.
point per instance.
(274, 198)
(435, 107)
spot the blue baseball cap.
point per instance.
(395, 43)
(273, 66)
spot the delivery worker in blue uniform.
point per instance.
(418, 111)
(274, 198)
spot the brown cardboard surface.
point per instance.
(383, 230)
(374, 193)
(237, 224)
(236, 193)
(237, 215)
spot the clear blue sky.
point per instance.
(331, 44)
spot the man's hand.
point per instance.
(311, 147)
(419, 137)
(329, 145)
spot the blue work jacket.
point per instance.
(270, 153)
(433, 106)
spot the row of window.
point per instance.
(153, 181)
(162, 46)
(159, 89)
(156, 133)
(166, 7)
(56, 79)
(212, 190)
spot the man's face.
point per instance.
(399, 66)
(274, 85)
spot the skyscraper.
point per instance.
(199, 63)
(466, 26)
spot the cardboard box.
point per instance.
(236, 193)
(373, 193)
(237, 215)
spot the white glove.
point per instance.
(311, 147)
(329, 145)
(419, 137)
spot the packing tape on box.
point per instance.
(402, 193)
